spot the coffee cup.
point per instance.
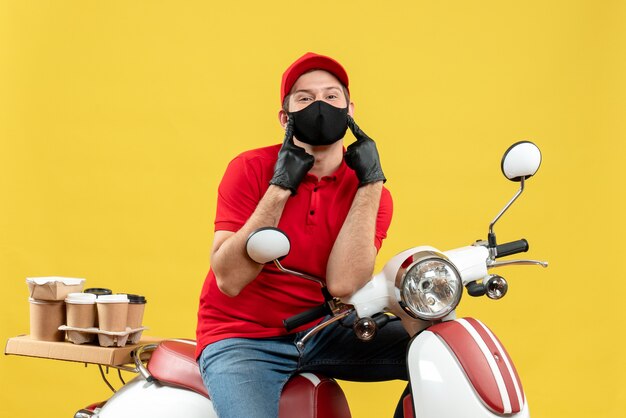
(112, 312)
(46, 317)
(136, 307)
(98, 291)
(81, 310)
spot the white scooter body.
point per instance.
(139, 398)
(440, 386)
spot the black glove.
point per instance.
(362, 157)
(293, 162)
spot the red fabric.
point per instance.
(307, 62)
(312, 219)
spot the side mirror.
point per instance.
(267, 244)
(521, 161)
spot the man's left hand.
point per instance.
(362, 157)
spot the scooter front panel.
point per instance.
(440, 386)
(485, 362)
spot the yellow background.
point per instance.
(117, 119)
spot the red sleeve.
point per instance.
(383, 220)
(237, 195)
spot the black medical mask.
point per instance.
(320, 123)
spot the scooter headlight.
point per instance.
(430, 286)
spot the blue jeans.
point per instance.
(245, 377)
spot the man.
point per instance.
(336, 212)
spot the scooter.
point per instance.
(456, 366)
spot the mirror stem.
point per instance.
(297, 273)
(492, 235)
(508, 205)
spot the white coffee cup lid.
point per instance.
(112, 299)
(81, 298)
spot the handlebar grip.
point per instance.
(476, 289)
(510, 248)
(306, 317)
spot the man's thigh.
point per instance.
(336, 352)
(244, 377)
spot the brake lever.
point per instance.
(338, 316)
(338, 308)
(297, 273)
(492, 264)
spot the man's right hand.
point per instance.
(293, 162)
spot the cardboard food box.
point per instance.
(109, 356)
(53, 288)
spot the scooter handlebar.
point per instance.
(510, 248)
(306, 317)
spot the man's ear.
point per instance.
(351, 109)
(282, 118)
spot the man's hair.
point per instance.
(345, 91)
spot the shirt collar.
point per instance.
(336, 175)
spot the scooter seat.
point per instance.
(309, 395)
(173, 362)
(306, 395)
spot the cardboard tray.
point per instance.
(105, 338)
(108, 356)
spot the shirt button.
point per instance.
(315, 189)
(312, 212)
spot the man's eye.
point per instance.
(304, 99)
(332, 97)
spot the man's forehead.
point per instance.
(311, 89)
(318, 79)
